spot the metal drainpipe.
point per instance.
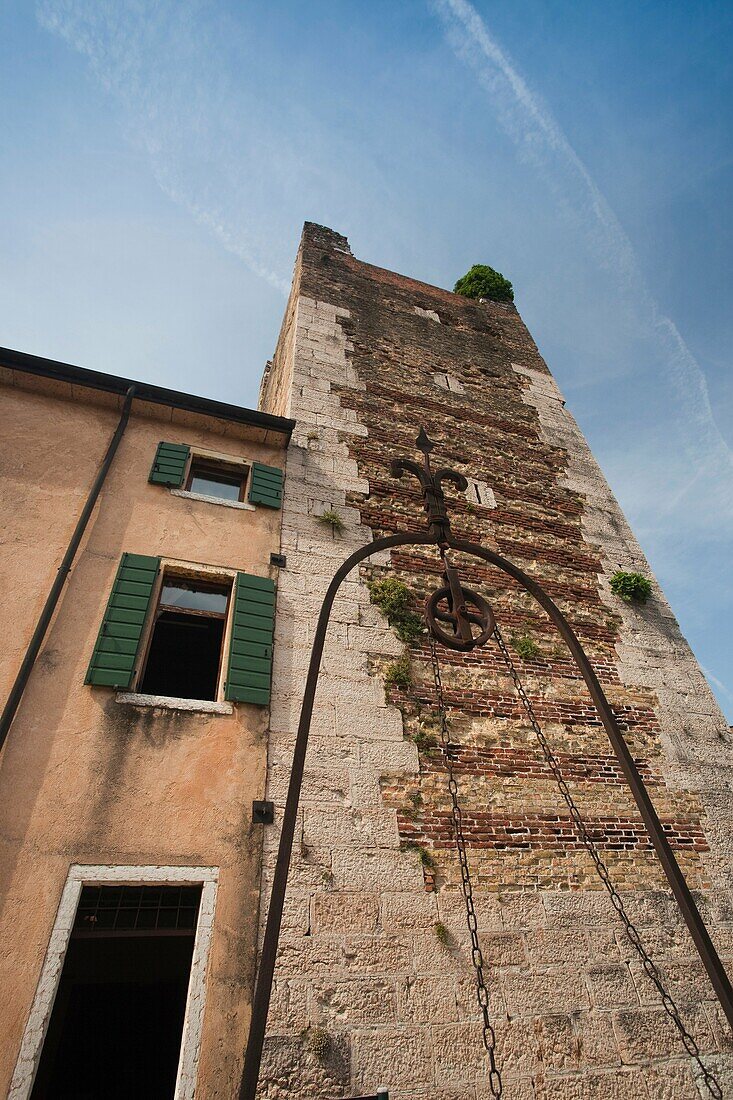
(16, 693)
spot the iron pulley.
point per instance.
(463, 610)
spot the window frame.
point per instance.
(215, 459)
(216, 466)
(203, 575)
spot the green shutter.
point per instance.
(250, 653)
(115, 652)
(170, 464)
(266, 485)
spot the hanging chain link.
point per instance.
(489, 1035)
(648, 964)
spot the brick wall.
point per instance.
(365, 991)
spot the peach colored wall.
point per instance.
(84, 779)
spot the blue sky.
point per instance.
(160, 157)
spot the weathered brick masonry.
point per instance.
(365, 991)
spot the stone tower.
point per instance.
(374, 981)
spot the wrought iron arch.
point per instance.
(439, 534)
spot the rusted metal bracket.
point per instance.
(263, 812)
(438, 533)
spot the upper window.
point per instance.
(185, 648)
(215, 479)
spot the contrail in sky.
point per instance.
(540, 140)
(177, 110)
(718, 683)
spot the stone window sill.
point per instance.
(241, 504)
(196, 706)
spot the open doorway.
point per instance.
(116, 1025)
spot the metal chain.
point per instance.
(489, 1035)
(648, 964)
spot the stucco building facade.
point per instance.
(115, 780)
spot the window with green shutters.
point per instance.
(172, 461)
(114, 658)
(118, 650)
(266, 485)
(250, 651)
(169, 466)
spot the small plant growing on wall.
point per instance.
(481, 281)
(318, 1041)
(632, 587)
(398, 674)
(525, 646)
(415, 798)
(424, 741)
(427, 859)
(394, 600)
(422, 854)
(442, 934)
(413, 805)
(333, 520)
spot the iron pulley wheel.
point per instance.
(463, 610)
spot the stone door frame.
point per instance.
(81, 875)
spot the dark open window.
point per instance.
(185, 649)
(115, 1030)
(216, 479)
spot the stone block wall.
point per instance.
(374, 982)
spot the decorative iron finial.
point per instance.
(424, 443)
(431, 485)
